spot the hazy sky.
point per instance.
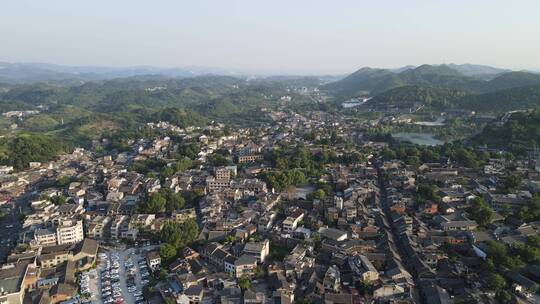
(293, 36)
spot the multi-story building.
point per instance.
(117, 225)
(214, 184)
(45, 237)
(245, 265)
(291, 222)
(223, 173)
(69, 232)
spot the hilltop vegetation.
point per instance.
(520, 133)
(376, 81)
(441, 98)
(434, 96)
(501, 101)
(18, 151)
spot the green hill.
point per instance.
(504, 100)
(512, 80)
(435, 96)
(520, 133)
(365, 81)
(476, 70)
(375, 81)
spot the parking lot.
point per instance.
(119, 278)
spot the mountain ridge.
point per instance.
(370, 81)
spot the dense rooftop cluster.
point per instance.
(305, 209)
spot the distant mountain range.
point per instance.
(19, 73)
(467, 77)
(28, 73)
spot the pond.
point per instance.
(424, 139)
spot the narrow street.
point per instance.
(398, 247)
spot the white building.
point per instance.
(69, 232)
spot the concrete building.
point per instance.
(69, 232)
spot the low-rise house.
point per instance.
(387, 291)
(153, 260)
(12, 283)
(82, 254)
(245, 265)
(332, 280)
(363, 267)
(291, 222)
(333, 234)
(194, 294)
(259, 250)
(180, 216)
(467, 225)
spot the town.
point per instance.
(303, 209)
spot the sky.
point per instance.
(273, 36)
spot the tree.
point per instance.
(179, 235)
(259, 272)
(534, 240)
(166, 172)
(170, 233)
(58, 199)
(365, 287)
(531, 211)
(480, 212)
(498, 254)
(173, 201)
(183, 164)
(505, 297)
(155, 203)
(495, 282)
(24, 148)
(317, 194)
(528, 254)
(218, 160)
(244, 282)
(427, 192)
(170, 300)
(496, 251)
(190, 231)
(167, 252)
(506, 210)
(511, 183)
(194, 196)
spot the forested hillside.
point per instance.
(519, 134)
